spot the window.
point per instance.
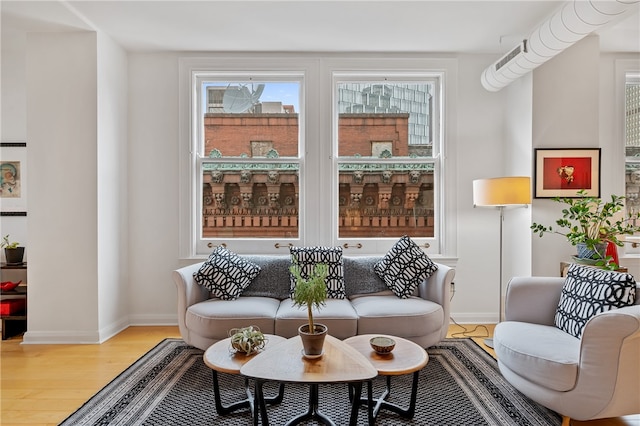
(386, 161)
(282, 151)
(632, 141)
(247, 157)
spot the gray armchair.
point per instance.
(595, 376)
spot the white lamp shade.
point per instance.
(502, 191)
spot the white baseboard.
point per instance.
(474, 318)
(153, 319)
(60, 337)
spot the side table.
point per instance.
(564, 267)
(220, 358)
(406, 358)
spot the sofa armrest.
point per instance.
(609, 354)
(437, 288)
(189, 292)
(533, 299)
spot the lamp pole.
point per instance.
(489, 341)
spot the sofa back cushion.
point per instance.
(273, 279)
(359, 276)
(307, 257)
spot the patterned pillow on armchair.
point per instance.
(587, 291)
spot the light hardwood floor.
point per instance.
(43, 384)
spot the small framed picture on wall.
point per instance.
(13, 168)
(562, 172)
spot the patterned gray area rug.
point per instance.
(171, 385)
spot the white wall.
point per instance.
(480, 155)
(13, 100)
(153, 186)
(13, 117)
(61, 129)
(112, 189)
(566, 115)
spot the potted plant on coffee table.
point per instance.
(590, 224)
(311, 292)
(13, 253)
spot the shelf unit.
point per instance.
(16, 322)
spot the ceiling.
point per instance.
(305, 25)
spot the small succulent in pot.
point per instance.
(8, 244)
(248, 340)
(13, 252)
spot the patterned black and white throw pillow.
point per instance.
(404, 267)
(308, 257)
(225, 274)
(587, 291)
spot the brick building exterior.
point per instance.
(257, 200)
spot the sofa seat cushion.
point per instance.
(214, 318)
(542, 354)
(337, 314)
(387, 314)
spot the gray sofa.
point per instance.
(368, 308)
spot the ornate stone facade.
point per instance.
(261, 200)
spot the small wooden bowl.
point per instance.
(382, 345)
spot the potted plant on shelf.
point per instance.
(591, 224)
(311, 292)
(13, 253)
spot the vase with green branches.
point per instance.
(310, 292)
(593, 223)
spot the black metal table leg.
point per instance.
(381, 402)
(312, 412)
(226, 409)
(357, 391)
(248, 402)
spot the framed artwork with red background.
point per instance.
(562, 172)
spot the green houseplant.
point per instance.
(13, 253)
(589, 223)
(311, 292)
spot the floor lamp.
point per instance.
(499, 193)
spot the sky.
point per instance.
(287, 93)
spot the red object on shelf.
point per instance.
(12, 306)
(8, 285)
(612, 250)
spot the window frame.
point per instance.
(317, 129)
(430, 244)
(623, 67)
